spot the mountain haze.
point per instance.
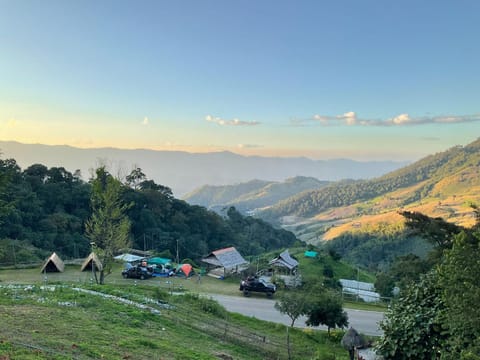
(183, 172)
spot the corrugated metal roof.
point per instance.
(227, 257)
(285, 260)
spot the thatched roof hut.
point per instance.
(352, 339)
(53, 264)
(87, 264)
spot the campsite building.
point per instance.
(362, 290)
(285, 261)
(90, 261)
(225, 261)
(53, 264)
(285, 267)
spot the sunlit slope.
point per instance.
(440, 185)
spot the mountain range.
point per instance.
(255, 194)
(184, 172)
(442, 184)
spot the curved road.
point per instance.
(365, 322)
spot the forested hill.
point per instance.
(45, 209)
(422, 176)
(253, 194)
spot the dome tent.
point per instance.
(185, 270)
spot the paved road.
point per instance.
(365, 322)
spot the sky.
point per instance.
(358, 79)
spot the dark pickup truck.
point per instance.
(257, 285)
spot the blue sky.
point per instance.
(322, 79)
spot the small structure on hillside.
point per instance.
(363, 290)
(225, 261)
(285, 261)
(286, 268)
(53, 264)
(91, 261)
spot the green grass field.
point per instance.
(39, 323)
(54, 320)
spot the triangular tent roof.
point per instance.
(87, 264)
(228, 258)
(53, 264)
(185, 270)
(284, 260)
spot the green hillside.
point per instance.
(252, 195)
(359, 218)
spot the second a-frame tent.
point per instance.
(90, 261)
(53, 264)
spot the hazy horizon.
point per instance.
(323, 80)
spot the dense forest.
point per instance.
(45, 209)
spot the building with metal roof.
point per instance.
(228, 258)
(284, 260)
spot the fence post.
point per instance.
(288, 345)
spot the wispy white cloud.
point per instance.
(145, 121)
(232, 122)
(249, 146)
(351, 119)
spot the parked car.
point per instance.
(257, 285)
(138, 272)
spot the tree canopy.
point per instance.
(46, 209)
(108, 228)
(437, 317)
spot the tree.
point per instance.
(459, 278)
(412, 326)
(325, 308)
(135, 178)
(436, 230)
(292, 303)
(384, 284)
(108, 227)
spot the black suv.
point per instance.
(257, 285)
(138, 272)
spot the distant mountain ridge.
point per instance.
(251, 195)
(439, 185)
(183, 172)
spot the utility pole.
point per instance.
(178, 257)
(92, 244)
(14, 256)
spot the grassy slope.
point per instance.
(36, 324)
(446, 183)
(449, 199)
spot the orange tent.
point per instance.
(185, 270)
